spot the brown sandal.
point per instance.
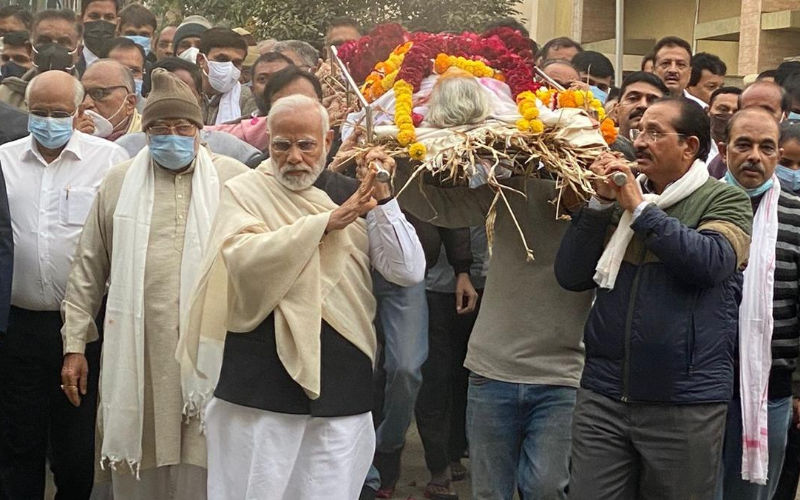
(436, 491)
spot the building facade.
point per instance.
(749, 35)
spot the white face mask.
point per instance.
(190, 55)
(102, 125)
(223, 76)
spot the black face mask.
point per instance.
(97, 36)
(12, 69)
(50, 56)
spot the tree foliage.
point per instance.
(306, 19)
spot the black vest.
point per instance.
(252, 375)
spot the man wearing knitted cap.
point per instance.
(144, 235)
(188, 34)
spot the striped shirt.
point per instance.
(786, 330)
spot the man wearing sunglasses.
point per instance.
(660, 338)
(109, 106)
(152, 218)
(52, 177)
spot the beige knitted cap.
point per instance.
(170, 97)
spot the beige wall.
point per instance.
(711, 10)
(547, 18)
(656, 19)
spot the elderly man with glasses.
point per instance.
(109, 107)
(660, 337)
(144, 236)
(51, 177)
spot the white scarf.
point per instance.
(122, 383)
(229, 108)
(609, 263)
(755, 336)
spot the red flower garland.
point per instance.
(503, 49)
(362, 54)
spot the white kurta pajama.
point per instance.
(166, 440)
(267, 233)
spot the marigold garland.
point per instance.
(478, 69)
(609, 131)
(574, 98)
(402, 112)
(417, 151)
(526, 104)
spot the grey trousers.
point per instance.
(625, 451)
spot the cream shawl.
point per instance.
(269, 254)
(122, 380)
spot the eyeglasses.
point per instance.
(101, 93)
(51, 114)
(283, 145)
(185, 129)
(650, 135)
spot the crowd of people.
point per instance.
(194, 303)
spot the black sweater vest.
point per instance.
(252, 375)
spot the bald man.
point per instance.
(109, 105)
(51, 178)
(767, 95)
(561, 71)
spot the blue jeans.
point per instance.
(519, 438)
(403, 317)
(730, 485)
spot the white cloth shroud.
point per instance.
(122, 380)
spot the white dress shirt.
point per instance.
(394, 248)
(89, 56)
(699, 101)
(49, 204)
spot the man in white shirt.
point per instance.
(51, 177)
(290, 417)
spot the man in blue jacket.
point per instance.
(665, 253)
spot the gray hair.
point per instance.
(294, 103)
(78, 89)
(303, 49)
(457, 101)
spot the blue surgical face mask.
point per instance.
(599, 94)
(141, 41)
(789, 176)
(793, 115)
(752, 193)
(51, 133)
(172, 152)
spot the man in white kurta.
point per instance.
(286, 288)
(143, 235)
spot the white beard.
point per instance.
(299, 182)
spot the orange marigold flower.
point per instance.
(609, 131)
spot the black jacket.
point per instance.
(6, 255)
